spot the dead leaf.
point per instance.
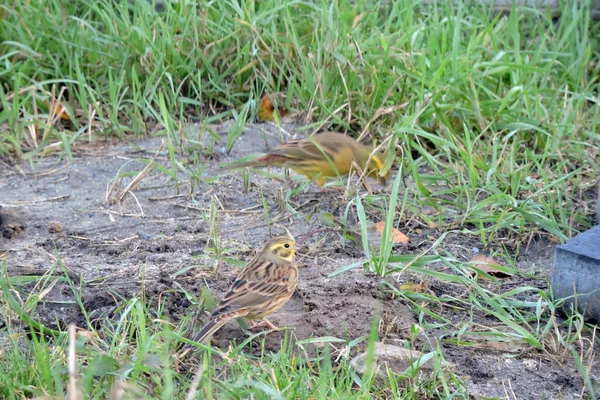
(56, 108)
(268, 105)
(395, 234)
(554, 239)
(489, 266)
(375, 234)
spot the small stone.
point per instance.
(12, 223)
(393, 358)
(55, 227)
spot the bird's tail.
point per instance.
(257, 160)
(211, 327)
(250, 161)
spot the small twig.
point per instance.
(120, 214)
(191, 394)
(23, 91)
(330, 117)
(57, 198)
(138, 203)
(218, 202)
(163, 198)
(33, 128)
(73, 392)
(120, 241)
(138, 178)
(47, 290)
(54, 114)
(223, 211)
(91, 115)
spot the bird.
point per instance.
(261, 288)
(318, 157)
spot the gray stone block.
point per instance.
(576, 274)
(598, 206)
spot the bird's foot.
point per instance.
(332, 189)
(264, 322)
(289, 182)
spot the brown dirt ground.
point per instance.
(115, 248)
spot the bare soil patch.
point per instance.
(155, 242)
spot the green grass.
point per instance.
(496, 114)
(494, 117)
(135, 353)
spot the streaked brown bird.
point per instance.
(260, 289)
(319, 157)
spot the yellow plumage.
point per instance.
(325, 155)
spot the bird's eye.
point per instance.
(287, 245)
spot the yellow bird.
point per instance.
(319, 157)
(260, 289)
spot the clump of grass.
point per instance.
(135, 354)
(496, 113)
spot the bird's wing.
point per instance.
(306, 149)
(257, 284)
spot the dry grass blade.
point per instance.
(73, 392)
(191, 394)
(21, 91)
(57, 198)
(55, 112)
(91, 115)
(135, 181)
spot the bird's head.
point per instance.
(281, 247)
(375, 167)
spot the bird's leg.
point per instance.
(332, 189)
(289, 182)
(262, 323)
(270, 324)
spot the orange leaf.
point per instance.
(267, 109)
(58, 109)
(488, 265)
(395, 234)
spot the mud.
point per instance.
(157, 242)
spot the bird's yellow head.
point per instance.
(375, 167)
(280, 247)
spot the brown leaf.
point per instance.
(56, 108)
(267, 108)
(488, 265)
(59, 109)
(554, 239)
(395, 234)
